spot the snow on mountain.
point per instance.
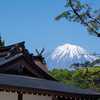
(65, 55)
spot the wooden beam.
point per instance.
(47, 92)
(63, 98)
(54, 98)
(20, 96)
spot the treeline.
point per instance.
(2, 42)
(85, 77)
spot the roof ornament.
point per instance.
(15, 49)
(41, 51)
(40, 56)
(20, 48)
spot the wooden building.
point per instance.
(23, 76)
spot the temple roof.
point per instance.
(44, 86)
(24, 72)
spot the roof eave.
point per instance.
(47, 92)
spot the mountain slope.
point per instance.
(65, 55)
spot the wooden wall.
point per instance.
(8, 96)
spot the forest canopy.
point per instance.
(79, 78)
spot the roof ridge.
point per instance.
(2, 48)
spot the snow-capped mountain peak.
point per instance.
(65, 55)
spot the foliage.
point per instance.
(87, 78)
(85, 65)
(95, 62)
(1, 42)
(80, 77)
(91, 73)
(81, 65)
(82, 14)
(61, 75)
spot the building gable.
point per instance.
(18, 60)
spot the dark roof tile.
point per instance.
(29, 82)
(4, 61)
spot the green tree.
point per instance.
(1, 42)
(82, 65)
(86, 76)
(62, 75)
(88, 79)
(95, 62)
(82, 14)
(79, 78)
(85, 65)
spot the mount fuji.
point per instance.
(65, 55)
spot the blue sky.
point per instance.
(32, 21)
